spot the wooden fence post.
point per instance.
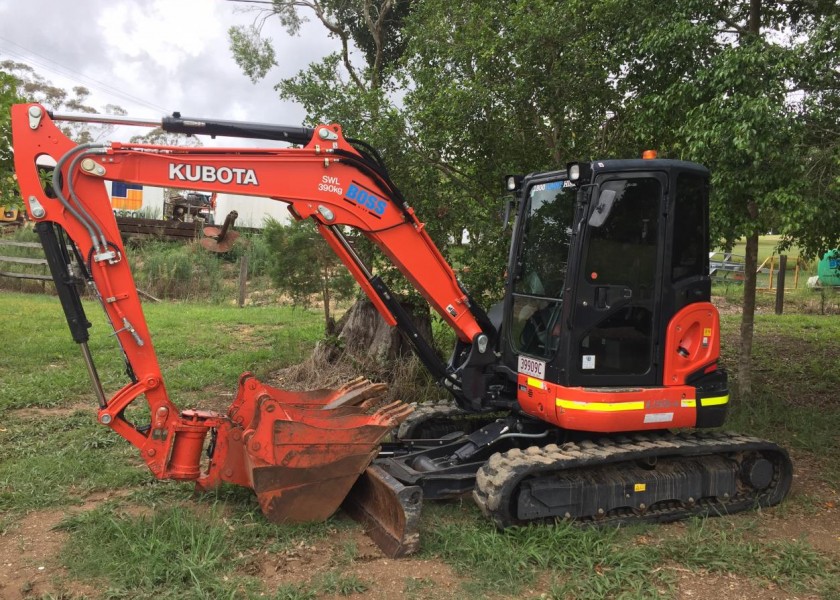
(243, 278)
(770, 277)
(780, 287)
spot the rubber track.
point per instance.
(422, 412)
(444, 411)
(497, 481)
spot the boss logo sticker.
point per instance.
(370, 202)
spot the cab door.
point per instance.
(613, 325)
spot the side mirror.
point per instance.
(603, 208)
(513, 183)
(505, 216)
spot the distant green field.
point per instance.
(767, 247)
(768, 259)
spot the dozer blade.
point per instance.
(389, 511)
(302, 452)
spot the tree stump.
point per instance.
(363, 333)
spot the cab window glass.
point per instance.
(689, 254)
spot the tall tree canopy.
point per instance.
(8, 96)
(467, 92)
(32, 87)
(749, 89)
(21, 83)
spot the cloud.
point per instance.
(157, 56)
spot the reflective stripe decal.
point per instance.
(714, 401)
(537, 383)
(600, 406)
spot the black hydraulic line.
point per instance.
(65, 284)
(376, 173)
(404, 324)
(66, 245)
(370, 167)
(243, 129)
(361, 145)
(481, 317)
(71, 302)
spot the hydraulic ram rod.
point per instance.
(106, 119)
(196, 126)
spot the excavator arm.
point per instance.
(327, 180)
(289, 447)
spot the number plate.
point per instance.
(531, 366)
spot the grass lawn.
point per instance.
(767, 246)
(768, 261)
(107, 530)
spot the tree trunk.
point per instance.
(750, 262)
(363, 333)
(748, 318)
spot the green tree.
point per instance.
(748, 89)
(32, 87)
(359, 95)
(8, 96)
(498, 88)
(21, 83)
(303, 266)
(478, 90)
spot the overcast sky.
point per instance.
(153, 57)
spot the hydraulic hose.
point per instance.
(91, 227)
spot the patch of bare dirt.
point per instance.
(352, 555)
(30, 547)
(726, 306)
(59, 411)
(703, 585)
(29, 559)
(812, 514)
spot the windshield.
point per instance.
(544, 249)
(541, 268)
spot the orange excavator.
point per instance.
(581, 396)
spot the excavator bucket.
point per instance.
(302, 452)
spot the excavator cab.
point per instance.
(604, 256)
(600, 264)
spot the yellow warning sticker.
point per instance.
(639, 487)
(707, 331)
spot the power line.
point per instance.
(59, 69)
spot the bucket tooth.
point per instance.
(357, 395)
(396, 411)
